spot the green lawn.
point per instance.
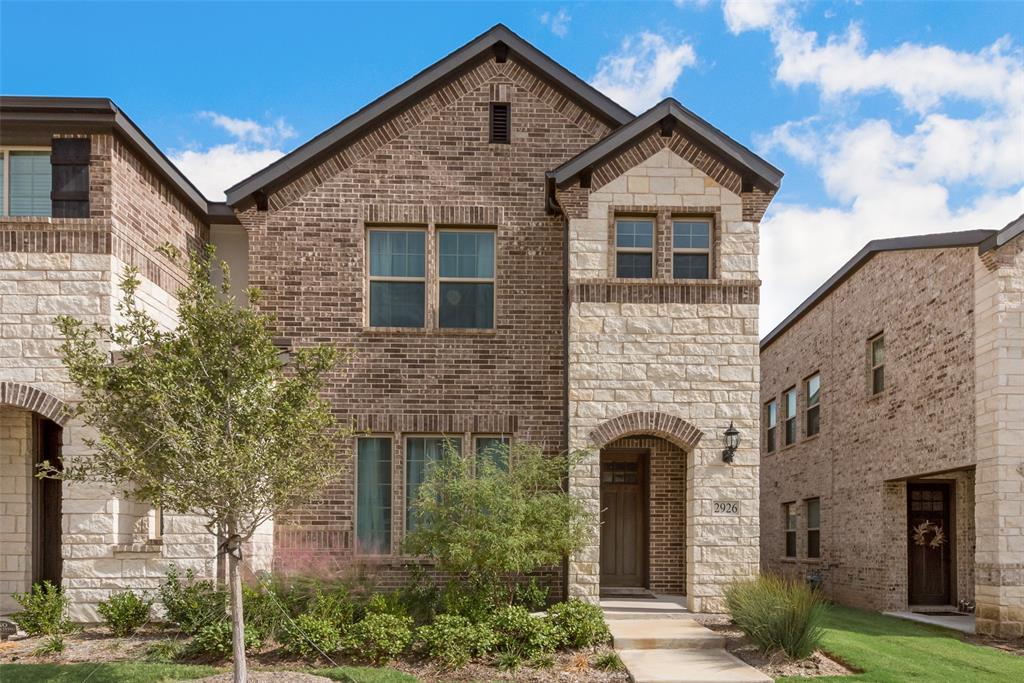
(891, 650)
(130, 672)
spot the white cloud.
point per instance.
(216, 168)
(557, 22)
(700, 4)
(643, 71)
(744, 15)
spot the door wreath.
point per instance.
(929, 534)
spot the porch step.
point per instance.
(663, 633)
(688, 666)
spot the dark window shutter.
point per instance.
(69, 161)
(501, 122)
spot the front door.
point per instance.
(929, 539)
(623, 520)
(47, 564)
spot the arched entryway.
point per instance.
(31, 431)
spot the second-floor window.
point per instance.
(691, 249)
(634, 248)
(466, 273)
(814, 527)
(397, 273)
(771, 420)
(813, 418)
(25, 182)
(789, 518)
(790, 426)
(876, 354)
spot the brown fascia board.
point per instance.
(944, 240)
(747, 164)
(415, 89)
(100, 114)
(1014, 228)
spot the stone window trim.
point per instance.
(431, 279)
(663, 216)
(874, 369)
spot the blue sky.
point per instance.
(888, 118)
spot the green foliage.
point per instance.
(214, 641)
(544, 660)
(579, 623)
(509, 660)
(488, 522)
(378, 637)
(310, 636)
(778, 614)
(164, 651)
(474, 599)
(531, 595)
(609, 661)
(50, 646)
(516, 630)
(385, 603)
(124, 613)
(419, 596)
(43, 612)
(191, 604)
(454, 641)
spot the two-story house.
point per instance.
(892, 441)
(511, 256)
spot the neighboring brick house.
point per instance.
(893, 410)
(511, 256)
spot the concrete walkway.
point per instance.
(958, 622)
(659, 641)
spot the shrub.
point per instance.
(214, 641)
(609, 661)
(43, 611)
(193, 604)
(454, 641)
(509, 660)
(475, 600)
(419, 596)
(531, 595)
(777, 614)
(164, 651)
(385, 603)
(52, 645)
(378, 637)
(310, 636)
(579, 624)
(518, 631)
(544, 660)
(124, 613)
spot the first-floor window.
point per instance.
(814, 527)
(373, 495)
(493, 449)
(789, 514)
(634, 249)
(771, 420)
(421, 452)
(397, 269)
(466, 278)
(26, 179)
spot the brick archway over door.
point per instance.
(35, 400)
(651, 423)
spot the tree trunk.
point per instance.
(237, 618)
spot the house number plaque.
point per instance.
(727, 507)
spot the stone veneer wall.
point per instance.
(679, 348)
(999, 409)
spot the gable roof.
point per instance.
(965, 238)
(1013, 229)
(498, 38)
(733, 154)
(87, 114)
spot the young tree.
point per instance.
(205, 419)
(501, 517)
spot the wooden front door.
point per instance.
(623, 520)
(47, 564)
(929, 538)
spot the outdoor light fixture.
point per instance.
(732, 442)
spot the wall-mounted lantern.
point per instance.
(732, 442)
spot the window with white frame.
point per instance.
(397, 272)
(813, 417)
(634, 248)
(465, 272)
(691, 249)
(771, 421)
(876, 360)
(25, 181)
(789, 403)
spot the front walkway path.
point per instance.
(659, 641)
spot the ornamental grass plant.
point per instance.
(778, 614)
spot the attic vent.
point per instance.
(501, 123)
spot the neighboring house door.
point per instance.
(929, 544)
(623, 519)
(47, 564)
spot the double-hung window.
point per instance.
(466, 278)
(421, 453)
(814, 527)
(790, 406)
(373, 495)
(634, 248)
(877, 361)
(771, 420)
(789, 516)
(813, 416)
(493, 449)
(25, 182)
(691, 249)
(397, 277)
